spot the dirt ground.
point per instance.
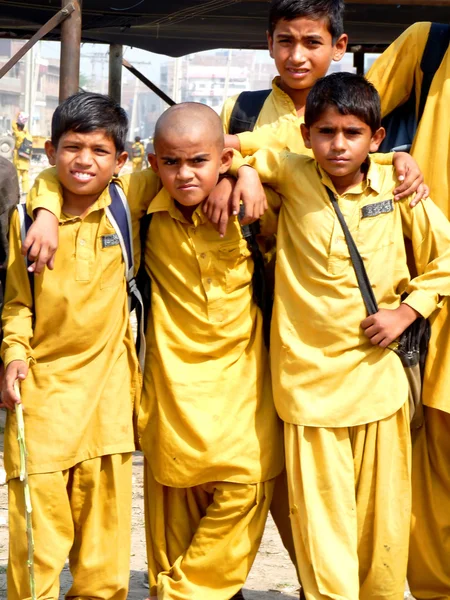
(272, 577)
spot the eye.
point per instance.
(326, 130)
(353, 132)
(313, 43)
(199, 159)
(101, 151)
(169, 161)
(284, 41)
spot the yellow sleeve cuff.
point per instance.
(422, 303)
(382, 158)
(14, 353)
(237, 163)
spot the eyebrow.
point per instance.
(201, 155)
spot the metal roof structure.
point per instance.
(179, 27)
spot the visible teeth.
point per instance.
(83, 175)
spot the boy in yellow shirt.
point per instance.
(347, 444)
(396, 74)
(67, 339)
(207, 423)
(137, 154)
(22, 151)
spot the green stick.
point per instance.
(26, 491)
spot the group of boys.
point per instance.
(206, 418)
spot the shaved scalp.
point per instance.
(190, 119)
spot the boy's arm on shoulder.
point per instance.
(264, 137)
(140, 188)
(46, 193)
(17, 316)
(270, 166)
(393, 73)
(429, 231)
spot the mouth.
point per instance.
(82, 176)
(187, 186)
(338, 160)
(297, 73)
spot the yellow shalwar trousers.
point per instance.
(279, 509)
(429, 559)
(83, 513)
(137, 165)
(202, 541)
(350, 497)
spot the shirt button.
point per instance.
(82, 242)
(202, 255)
(209, 280)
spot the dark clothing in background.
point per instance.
(9, 197)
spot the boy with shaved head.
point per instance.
(207, 422)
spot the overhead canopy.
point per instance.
(179, 27)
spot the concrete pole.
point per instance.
(115, 72)
(69, 74)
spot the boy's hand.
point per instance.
(409, 173)
(41, 242)
(226, 198)
(249, 190)
(386, 325)
(232, 141)
(219, 205)
(17, 369)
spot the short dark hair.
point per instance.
(85, 112)
(350, 94)
(137, 138)
(331, 10)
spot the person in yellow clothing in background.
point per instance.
(70, 345)
(347, 444)
(22, 151)
(397, 74)
(137, 154)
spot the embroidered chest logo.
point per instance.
(378, 208)
(110, 240)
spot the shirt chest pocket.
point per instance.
(236, 265)
(112, 265)
(375, 233)
(374, 236)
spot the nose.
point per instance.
(84, 157)
(297, 54)
(338, 143)
(184, 172)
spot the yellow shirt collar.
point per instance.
(163, 202)
(373, 179)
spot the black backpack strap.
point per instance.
(261, 295)
(357, 262)
(25, 223)
(142, 277)
(246, 111)
(435, 49)
(118, 213)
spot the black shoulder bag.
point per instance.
(412, 346)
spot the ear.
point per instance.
(120, 161)
(153, 163)
(226, 160)
(50, 151)
(270, 43)
(306, 135)
(340, 47)
(377, 138)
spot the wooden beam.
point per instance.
(69, 66)
(148, 83)
(51, 24)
